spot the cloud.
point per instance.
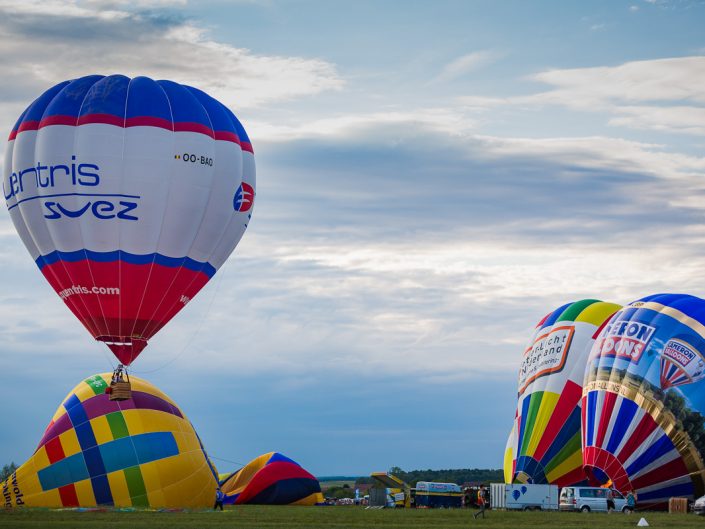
(681, 119)
(663, 95)
(673, 79)
(465, 64)
(108, 37)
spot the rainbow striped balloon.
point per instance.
(544, 444)
(141, 452)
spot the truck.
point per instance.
(525, 496)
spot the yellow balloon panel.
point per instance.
(141, 452)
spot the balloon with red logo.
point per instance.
(129, 195)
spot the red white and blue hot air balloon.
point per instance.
(643, 425)
(129, 195)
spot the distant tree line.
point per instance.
(459, 476)
(7, 471)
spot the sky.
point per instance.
(432, 179)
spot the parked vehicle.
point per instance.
(530, 497)
(586, 499)
(699, 506)
(430, 494)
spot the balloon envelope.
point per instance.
(272, 479)
(129, 195)
(141, 452)
(645, 399)
(544, 444)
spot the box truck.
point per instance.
(526, 497)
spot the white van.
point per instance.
(586, 499)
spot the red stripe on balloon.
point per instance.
(269, 475)
(107, 119)
(645, 427)
(147, 121)
(54, 450)
(671, 470)
(191, 126)
(68, 495)
(606, 414)
(58, 120)
(225, 135)
(149, 295)
(567, 401)
(571, 478)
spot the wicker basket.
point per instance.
(120, 390)
(678, 505)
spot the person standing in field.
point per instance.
(481, 502)
(219, 497)
(631, 501)
(610, 500)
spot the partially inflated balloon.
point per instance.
(544, 445)
(141, 452)
(129, 195)
(272, 479)
(644, 400)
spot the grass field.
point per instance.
(266, 517)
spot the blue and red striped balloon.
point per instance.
(129, 195)
(643, 400)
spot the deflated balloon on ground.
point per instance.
(141, 452)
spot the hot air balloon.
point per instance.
(129, 195)
(544, 444)
(95, 452)
(644, 400)
(272, 479)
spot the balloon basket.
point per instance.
(120, 390)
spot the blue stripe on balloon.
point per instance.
(92, 458)
(184, 105)
(627, 410)
(532, 468)
(76, 413)
(661, 447)
(683, 489)
(69, 100)
(524, 413)
(116, 455)
(219, 117)
(555, 315)
(125, 257)
(101, 490)
(285, 491)
(146, 98)
(567, 431)
(132, 451)
(277, 457)
(107, 96)
(36, 110)
(591, 417)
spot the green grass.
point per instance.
(266, 517)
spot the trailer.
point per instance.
(432, 495)
(531, 497)
(497, 495)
